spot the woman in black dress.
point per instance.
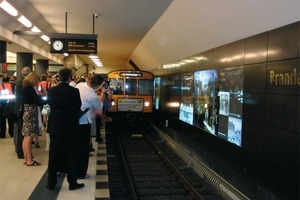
(30, 116)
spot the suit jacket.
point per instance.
(18, 96)
(64, 101)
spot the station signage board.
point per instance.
(73, 46)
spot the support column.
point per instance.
(2, 102)
(3, 61)
(41, 66)
(3, 51)
(23, 60)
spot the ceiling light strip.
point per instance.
(7, 7)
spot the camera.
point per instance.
(106, 84)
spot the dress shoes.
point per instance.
(50, 187)
(99, 140)
(76, 186)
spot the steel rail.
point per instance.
(194, 193)
(132, 188)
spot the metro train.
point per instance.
(132, 94)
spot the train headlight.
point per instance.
(147, 104)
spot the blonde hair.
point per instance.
(32, 79)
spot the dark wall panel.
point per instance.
(252, 140)
(296, 146)
(278, 146)
(236, 53)
(220, 57)
(297, 128)
(254, 108)
(188, 67)
(208, 60)
(276, 176)
(280, 111)
(199, 62)
(256, 48)
(299, 40)
(255, 78)
(252, 165)
(284, 42)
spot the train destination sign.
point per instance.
(130, 105)
(131, 74)
(73, 46)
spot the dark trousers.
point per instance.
(2, 122)
(98, 124)
(83, 149)
(62, 158)
(11, 123)
(18, 137)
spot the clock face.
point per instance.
(58, 45)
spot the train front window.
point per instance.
(145, 87)
(116, 85)
(130, 87)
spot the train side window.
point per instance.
(145, 87)
(130, 86)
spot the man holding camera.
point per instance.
(90, 100)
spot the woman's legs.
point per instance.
(27, 149)
(36, 141)
(24, 150)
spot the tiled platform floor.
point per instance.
(18, 182)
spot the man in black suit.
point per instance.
(64, 101)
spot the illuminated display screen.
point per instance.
(186, 114)
(156, 96)
(205, 106)
(231, 104)
(212, 100)
(186, 111)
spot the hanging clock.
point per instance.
(58, 45)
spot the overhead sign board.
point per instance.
(76, 46)
(73, 46)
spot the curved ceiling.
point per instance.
(149, 32)
(120, 26)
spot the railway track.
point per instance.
(141, 166)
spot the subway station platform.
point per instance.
(20, 182)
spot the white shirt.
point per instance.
(89, 99)
(73, 84)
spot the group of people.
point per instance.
(7, 90)
(68, 131)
